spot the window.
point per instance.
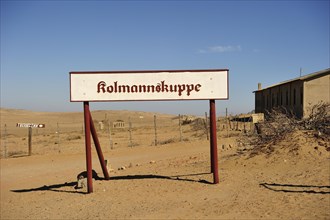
(294, 96)
(287, 97)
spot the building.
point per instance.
(296, 95)
(118, 124)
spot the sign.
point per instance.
(256, 118)
(30, 125)
(149, 85)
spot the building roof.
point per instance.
(302, 78)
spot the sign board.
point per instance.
(256, 118)
(30, 125)
(149, 85)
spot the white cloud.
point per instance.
(221, 49)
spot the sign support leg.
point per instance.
(213, 142)
(87, 120)
(98, 149)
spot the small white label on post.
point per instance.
(30, 125)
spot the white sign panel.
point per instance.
(30, 125)
(149, 85)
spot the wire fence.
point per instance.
(135, 131)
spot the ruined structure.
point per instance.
(296, 95)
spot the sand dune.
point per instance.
(169, 181)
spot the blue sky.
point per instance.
(258, 41)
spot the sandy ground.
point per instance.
(171, 181)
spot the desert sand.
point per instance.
(169, 181)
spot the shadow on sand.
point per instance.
(151, 176)
(57, 187)
(54, 188)
(290, 188)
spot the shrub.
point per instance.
(73, 137)
(280, 124)
(318, 118)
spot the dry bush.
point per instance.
(280, 124)
(199, 124)
(318, 119)
(200, 127)
(277, 126)
(73, 137)
(16, 153)
(167, 141)
(133, 144)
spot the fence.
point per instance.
(134, 130)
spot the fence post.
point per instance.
(155, 125)
(206, 127)
(110, 137)
(244, 127)
(5, 140)
(130, 132)
(180, 126)
(30, 140)
(227, 120)
(58, 136)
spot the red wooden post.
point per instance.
(98, 149)
(88, 147)
(213, 142)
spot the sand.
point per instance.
(167, 181)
